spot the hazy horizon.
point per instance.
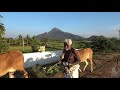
(84, 24)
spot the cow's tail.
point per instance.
(94, 62)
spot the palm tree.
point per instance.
(21, 39)
(27, 38)
(34, 43)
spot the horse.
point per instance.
(11, 62)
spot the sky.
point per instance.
(83, 24)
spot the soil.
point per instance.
(105, 67)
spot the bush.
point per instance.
(102, 44)
(36, 72)
(45, 71)
(116, 44)
(34, 48)
(4, 46)
(34, 44)
(53, 70)
(81, 44)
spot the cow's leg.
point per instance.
(79, 69)
(85, 65)
(91, 62)
(11, 75)
(25, 73)
(91, 66)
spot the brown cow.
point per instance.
(10, 62)
(84, 55)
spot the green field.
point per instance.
(26, 48)
(50, 46)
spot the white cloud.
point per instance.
(109, 33)
(115, 27)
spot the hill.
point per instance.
(58, 34)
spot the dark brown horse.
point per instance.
(10, 62)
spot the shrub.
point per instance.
(4, 46)
(102, 44)
(116, 44)
(39, 71)
(34, 44)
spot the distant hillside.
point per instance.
(58, 34)
(94, 37)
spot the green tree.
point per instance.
(44, 40)
(2, 28)
(20, 39)
(10, 41)
(102, 44)
(34, 43)
(116, 43)
(4, 46)
(27, 39)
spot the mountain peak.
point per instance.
(55, 29)
(58, 34)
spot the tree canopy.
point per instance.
(2, 28)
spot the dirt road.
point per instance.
(105, 67)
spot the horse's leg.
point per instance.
(11, 75)
(85, 65)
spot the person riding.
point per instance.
(70, 60)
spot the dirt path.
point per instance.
(105, 67)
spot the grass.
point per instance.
(26, 48)
(51, 46)
(39, 71)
